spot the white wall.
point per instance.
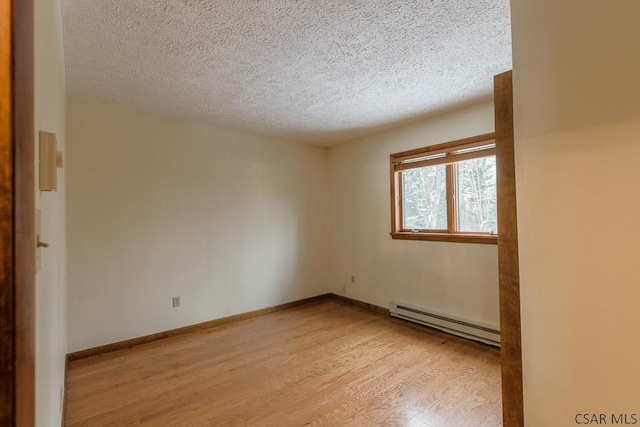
(577, 122)
(454, 278)
(228, 221)
(51, 328)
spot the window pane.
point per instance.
(424, 198)
(476, 195)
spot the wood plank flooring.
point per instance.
(322, 364)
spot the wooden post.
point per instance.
(508, 268)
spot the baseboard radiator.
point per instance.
(449, 324)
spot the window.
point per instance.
(446, 192)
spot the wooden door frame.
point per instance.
(17, 210)
(508, 267)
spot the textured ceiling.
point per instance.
(317, 71)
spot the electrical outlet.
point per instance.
(353, 278)
(344, 289)
(176, 302)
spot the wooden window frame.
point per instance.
(446, 153)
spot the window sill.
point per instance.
(444, 237)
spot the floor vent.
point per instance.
(449, 324)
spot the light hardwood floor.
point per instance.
(325, 363)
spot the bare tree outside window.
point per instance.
(446, 192)
(425, 198)
(476, 195)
